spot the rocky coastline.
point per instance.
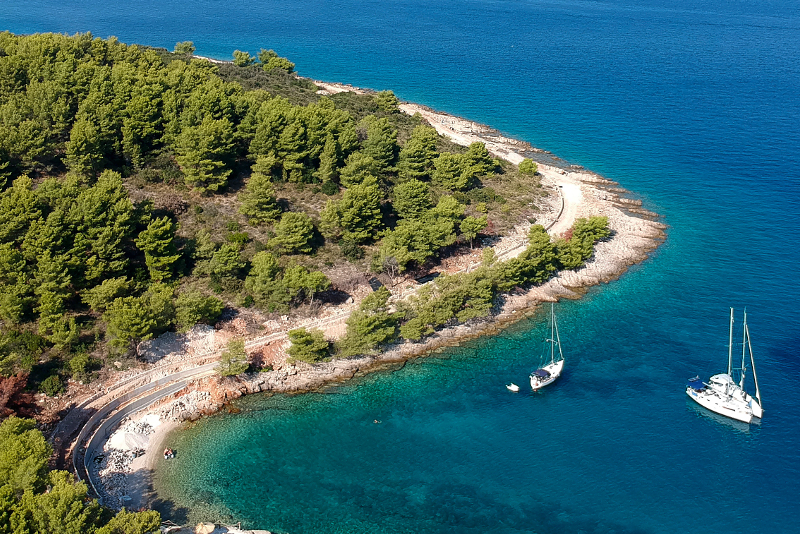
(636, 233)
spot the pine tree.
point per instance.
(294, 233)
(449, 172)
(357, 216)
(381, 142)
(471, 227)
(158, 244)
(258, 201)
(84, 154)
(192, 307)
(358, 167)
(370, 325)
(309, 346)
(411, 199)
(264, 283)
(205, 154)
(329, 161)
(417, 156)
(233, 360)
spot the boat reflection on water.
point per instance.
(721, 419)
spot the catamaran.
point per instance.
(721, 394)
(549, 371)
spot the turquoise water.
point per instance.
(694, 106)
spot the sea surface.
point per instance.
(693, 105)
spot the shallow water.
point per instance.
(692, 105)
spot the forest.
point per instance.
(145, 190)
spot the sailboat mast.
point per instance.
(552, 332)
(558, 338)
(752, 363)
(744, 339)
(730, 344)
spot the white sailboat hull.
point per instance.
(724, 405)
(554, 369)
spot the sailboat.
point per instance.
(551, 368)
(721, 394)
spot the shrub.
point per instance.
(329, 188)
(78, 365)
(370, 325)
(528, 167)
(233, 360)
(308, 346)
(51, 386)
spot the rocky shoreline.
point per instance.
(636, 233)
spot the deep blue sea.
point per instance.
(694, 106)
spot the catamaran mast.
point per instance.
(752, 363)
(744, 339)
(558, 338)
(730, 344)
(552, 336)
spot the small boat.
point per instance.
(551, 366)
(722, 394)
(512, 387)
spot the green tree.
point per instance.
(258, 201)
(308, 345)
(387, 102)
(233, 360)
(579, 247)
(184, 47)
(192, 307)
(448, 208)
(449, 172)
(293, 150)
(529, 167)
(242, 59)
(299, 282)
(125, 522)
(358, 167)
(536, 264)
(417, 156)
(415, 241)
(133, 319)
(471, 227)
(61, 509)
(370, 325)
(264, 282)
(53, 290)
(478, 161)
(206, 153)
(98, 297)
(158, 244)
(24, 454)
(103, 221)
(225, 262)
(141, 123)
(19, 208)
(381, 142)
(328, 170)
(357, 216)
(16, 291)
(461, 297)
(84, 154)
(270, 60)
(294, 233)
(411, 199)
